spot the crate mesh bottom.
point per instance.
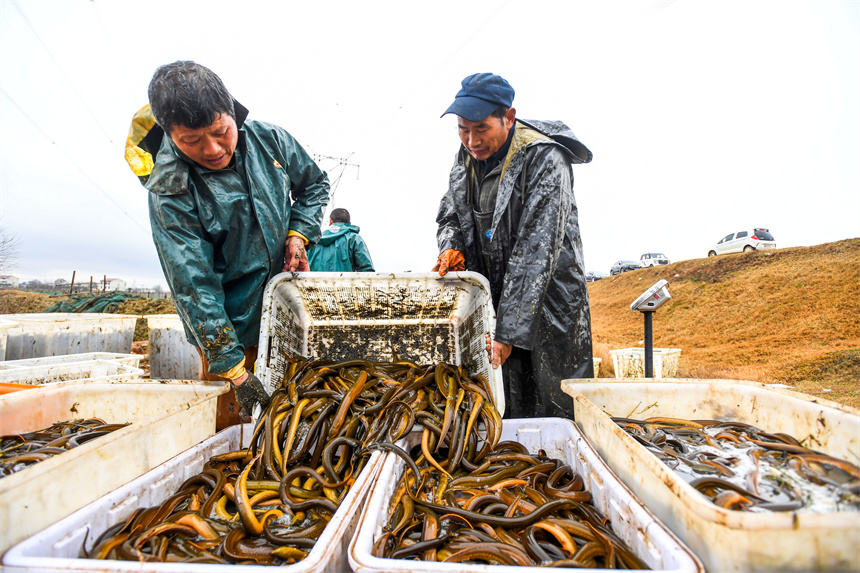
(423, 343)
(400, 302)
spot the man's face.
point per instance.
(483, 138)
(212, 146)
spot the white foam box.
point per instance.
(649, 539)
(630, 362)
(126, 359)
(57, 547)
(165, 419)
(171, 356)
(71, 372)
(56, 334)
(378, 316)
(5, 325)
(726, 540)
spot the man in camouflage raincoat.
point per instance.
(232, 203)
(510, 215)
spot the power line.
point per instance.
(59, 67)
(72, 161)
(453, 54)
(342, 163)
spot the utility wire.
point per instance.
(452, 56)
(59, 67)
(658, 6)
(72, 161)
(342, 163)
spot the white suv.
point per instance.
(653, 259)
(743, 241)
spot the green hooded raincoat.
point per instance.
(220, 234)
(340, 250)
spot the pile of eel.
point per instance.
(505, 506)
(741, 467)
(20, 451)
(268, 504)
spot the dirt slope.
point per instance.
(790, 316)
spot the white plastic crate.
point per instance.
(649, 539)
(57, 334)
(166, 417)
(126, 359)
(726, 540)
(630, 362)
(378, 316)
(62, 373)
(57, 547)
(5, 325)
(171, 356)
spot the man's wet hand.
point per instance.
(295, 257)
(497, 351)
(449, 260)
(250, 392)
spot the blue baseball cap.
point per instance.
(480, 95)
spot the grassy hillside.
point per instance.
(789, 316)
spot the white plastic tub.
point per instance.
(726, 540)
(171, 356)
(378, 316)
(630, 362)
(57, 547)
(648, 538)
(62, 373)
(166, 418)
(126, 359)
(5, 325)
(56, 334)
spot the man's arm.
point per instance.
(187, 259)
(360, 256)
(309, 189)
(548, 200)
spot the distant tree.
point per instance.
(8, 249)
(61, 282)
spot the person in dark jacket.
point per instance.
(341, 249)
(232, 203)
(510, 215)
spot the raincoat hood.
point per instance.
(147, 146)
(331, 234)
(340, 250)
(562, 134)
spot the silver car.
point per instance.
(743, 241)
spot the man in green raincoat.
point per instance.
(232, 203)
(341, 249)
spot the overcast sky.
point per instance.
(704, 117)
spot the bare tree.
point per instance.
(8, 249)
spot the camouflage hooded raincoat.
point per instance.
(220, 234)
(532, 259)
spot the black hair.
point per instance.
(340, 216)
(188, 94)
(500, 111)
